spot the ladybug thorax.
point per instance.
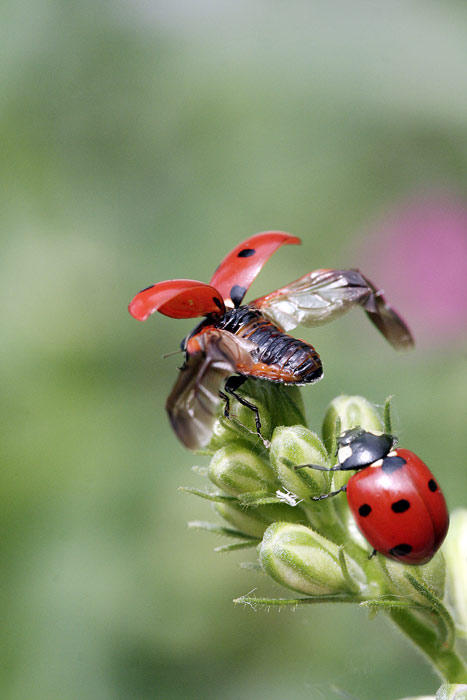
(358, 448)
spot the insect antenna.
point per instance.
(169, 354)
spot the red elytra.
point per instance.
(238, 341)
(240, 267)
(236, 272)
(177, 299)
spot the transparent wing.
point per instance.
(323, 295)
(193, 402)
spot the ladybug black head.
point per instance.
(358, 448)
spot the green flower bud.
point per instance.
(295, 445)
(298, 558)
(236, 469)
(431, 575)
(277, 405)
(452, 691)
(254, 521)
(455, 550)
(353, 411)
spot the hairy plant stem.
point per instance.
(447, 662)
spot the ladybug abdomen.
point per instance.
(399, 508)
(278, 357)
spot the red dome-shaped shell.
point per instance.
(399, 507)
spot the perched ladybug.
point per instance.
(396, 502)
(237, 341)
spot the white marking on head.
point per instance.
(344, 453)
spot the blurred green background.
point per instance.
(141, 141)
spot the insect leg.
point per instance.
(226, 401)
(328, 495)
(234, 383)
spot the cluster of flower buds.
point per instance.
(314, 547)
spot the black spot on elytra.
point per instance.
(392, 464)
(364, 510)
(146, 288)
(246, 253)
(400, 506)
(432, 485)
(400, 550)
(218, 303)
(237, 293)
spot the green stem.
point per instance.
(387, 601)
(445, 623)
(446, 661)
(293, 602)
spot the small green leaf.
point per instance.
(218, 530)
(236, 546)
(251, 566)
(215, 497)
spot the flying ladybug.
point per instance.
(236, 341)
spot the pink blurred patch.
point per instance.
(418, 255)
